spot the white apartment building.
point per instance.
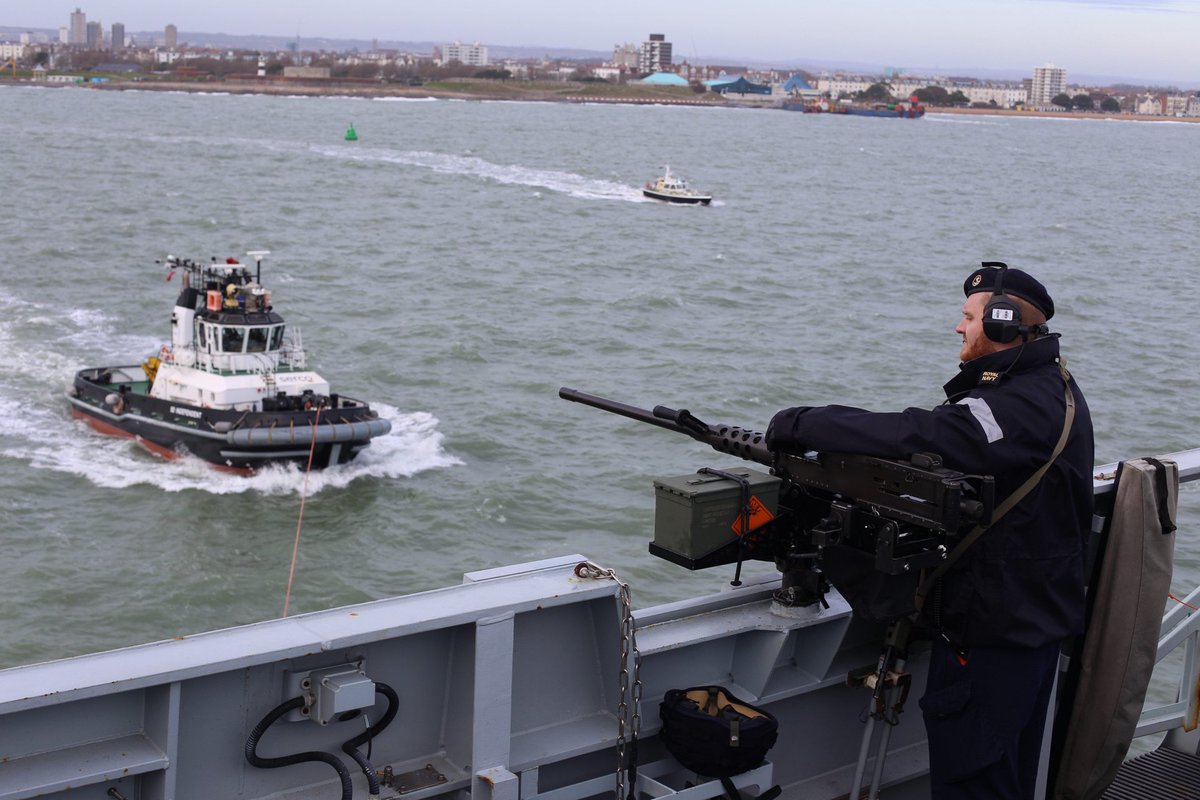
(609, 72)
(473, 55)
(625, 55)
(836, 85)
(1005, 95)
(1177, 105)
(1150, 104)
(655, 55)
(12, 50)
(1049, 81)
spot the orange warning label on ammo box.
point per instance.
(759, 515)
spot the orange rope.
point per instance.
(299, 520)
(1185, 605)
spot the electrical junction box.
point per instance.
(330, 692)
(697, 514)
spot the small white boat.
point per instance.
(674, 189)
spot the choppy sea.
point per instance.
(463, 260)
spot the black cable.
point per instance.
(256, 760)
(367, 768)
(350, 747)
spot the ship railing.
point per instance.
(291, 354)
(1180, 632)
(288, 357)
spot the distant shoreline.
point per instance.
(543, 92)
(1009, 112)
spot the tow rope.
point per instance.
(287, 595)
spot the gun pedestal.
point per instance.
(803, 585)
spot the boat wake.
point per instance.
(40, 431)
(567, 183)
(61, 445)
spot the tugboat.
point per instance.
(230, 388)
(674, 189)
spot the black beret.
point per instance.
(1016, 282)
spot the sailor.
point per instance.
(1000, 614)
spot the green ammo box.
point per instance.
(698, 513)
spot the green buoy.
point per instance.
(351, 136)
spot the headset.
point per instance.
(1001, 316)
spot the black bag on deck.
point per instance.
(711, 732)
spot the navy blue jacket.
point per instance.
(1021, 583)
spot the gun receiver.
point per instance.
(841, 514)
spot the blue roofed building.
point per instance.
(798, 88)
(738, 85)
(798, 85)
(665, 79)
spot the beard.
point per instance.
(975, 348)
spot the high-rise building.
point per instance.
(1049, 81)
(625, 55)
(118, 36)
(170, 35)
(655, 55)
(94, 38)
(472, 55)
(78, 27)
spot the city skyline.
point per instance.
(1147, 40)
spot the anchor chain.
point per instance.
(629, 694)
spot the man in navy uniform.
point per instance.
(1000, 614)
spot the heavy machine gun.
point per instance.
(866, 525)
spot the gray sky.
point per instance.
(1152, 40)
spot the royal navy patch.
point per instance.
(989, 377)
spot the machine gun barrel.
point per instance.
(731, 439)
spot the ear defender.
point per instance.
(1001, 317)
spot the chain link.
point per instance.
(629, 697)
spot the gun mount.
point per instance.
(866, 525)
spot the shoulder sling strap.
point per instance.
(1014, 498)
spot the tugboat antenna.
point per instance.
(257, 255)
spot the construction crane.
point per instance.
(11, 62)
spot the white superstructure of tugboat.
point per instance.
(232, 386)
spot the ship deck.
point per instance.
(1162, 774)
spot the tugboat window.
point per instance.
(232, 339)
(202, 335)
(276, 337)
(257, 343)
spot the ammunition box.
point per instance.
(699, 513)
